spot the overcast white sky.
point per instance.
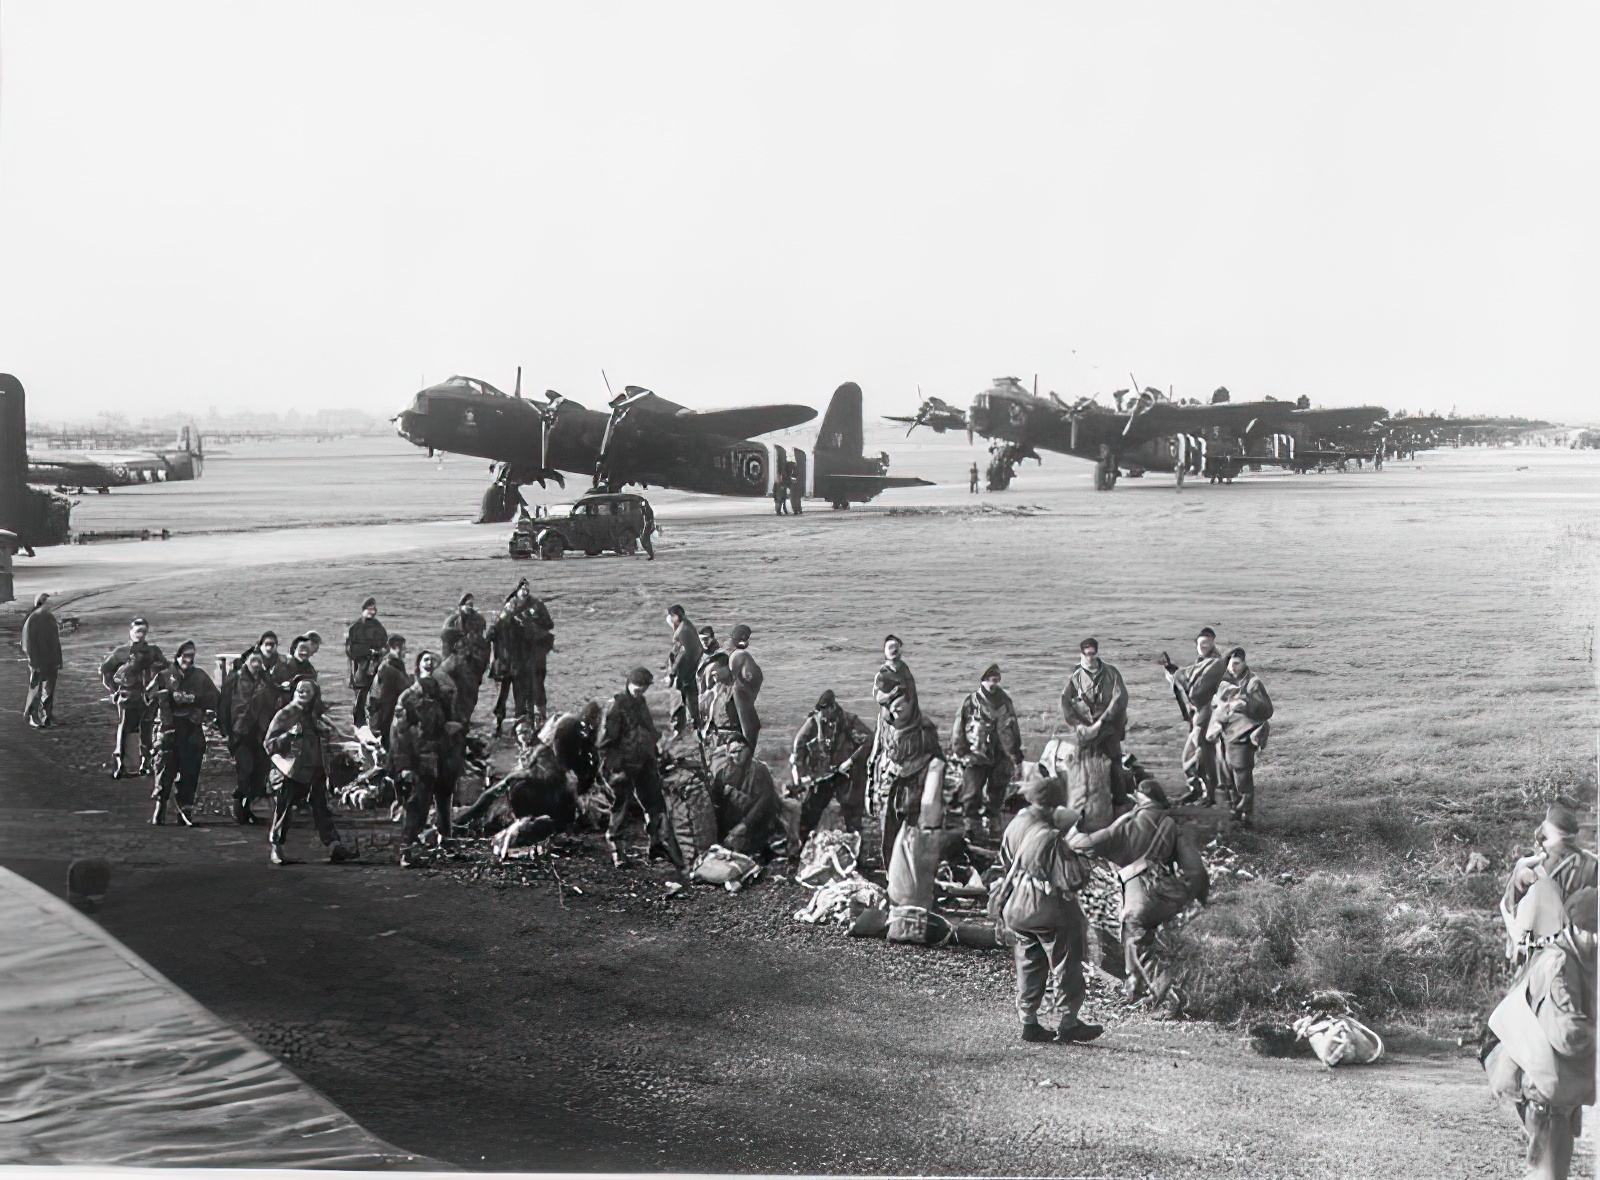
(322, 204)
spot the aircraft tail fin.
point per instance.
(841, 425)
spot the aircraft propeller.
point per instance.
(620, 405)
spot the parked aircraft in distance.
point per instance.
(644, 439)
(104, 470)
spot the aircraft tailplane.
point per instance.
(841, 425)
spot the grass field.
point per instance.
(1426, 634)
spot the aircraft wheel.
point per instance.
(552, 548)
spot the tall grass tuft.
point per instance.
(1267, 947)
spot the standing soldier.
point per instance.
(41, 644)
(1097, 699)
(905, 748)
(273, 660)
(829, 761)
(797, 491)
(713, 655)
(128, 673)
(364, 644)
(298, 667)
(629, 765)
(1195, 686)
(426, 752)
(300, 770)
(1038, 905)
(746, 682)
(987, 741)
(1239, 717)
(650, 526)
(388, 683)
(520, 642)
(465, 643)
(683, 666)
(1558, 859)
(780, 493)
(184, 696)
(972, 480)
(252, 705)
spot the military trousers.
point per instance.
(251, 766)
(135, 736)
(983, 790)
(289, 793)
(1050, 965)
(428, 790)
(41, 693)
(1238, 767)
(179, 754)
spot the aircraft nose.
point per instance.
(411, 422)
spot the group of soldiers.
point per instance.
(270, 710)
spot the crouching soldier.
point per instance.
(987, 743)
(1239, 719)
(252, 704)
(295, 739)
(426, 753)
(365, 644)
(1161, 873)
(1539, 1052)
(629, 765)
(185, 696)
(828, 761)
(1036, 904)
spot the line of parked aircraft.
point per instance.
(648, 440)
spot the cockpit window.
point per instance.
(473, 385)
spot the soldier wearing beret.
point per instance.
(987, 742)
(184, 697)
(828, 760)
(364, 644)
(1096, 699)
(630, 766)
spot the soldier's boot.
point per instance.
(159, 815)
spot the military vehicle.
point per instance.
(598, 522)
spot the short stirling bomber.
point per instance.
(104, 470)
(1154, 433)
(644, 439)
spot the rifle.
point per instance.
(1178, 694)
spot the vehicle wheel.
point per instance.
(552, 548)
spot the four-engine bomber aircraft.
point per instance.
(104, 470)
(1154, 433)
(644, 439)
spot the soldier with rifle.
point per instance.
(1194, 686)
(364, 644)
(828, 761)
(129, 674)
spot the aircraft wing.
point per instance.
(1343, 417)
(746, 421)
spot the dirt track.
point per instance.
(495, 1028)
